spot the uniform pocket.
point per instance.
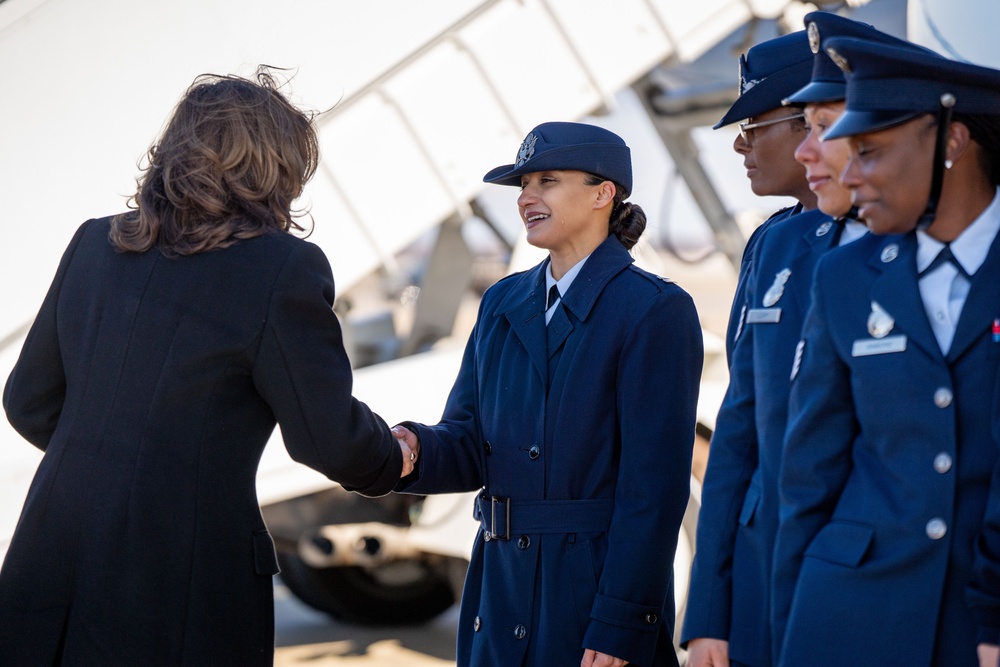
(842, 543)
(265, 561)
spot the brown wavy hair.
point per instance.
(232, 159)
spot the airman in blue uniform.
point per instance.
(889, 449)
(574, 415)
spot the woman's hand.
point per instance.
(596, 659)
(409, 444)
(707, 652)
(989, 655)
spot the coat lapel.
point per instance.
(816, 241)
(981, 306)
(524, 308)
(896, 291)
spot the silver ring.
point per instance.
(413, 457)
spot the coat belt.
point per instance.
(501, 516)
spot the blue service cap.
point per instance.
(569, 146)
(888, 85)
(828, 83)
(770, 72)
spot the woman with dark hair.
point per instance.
(574, 414)
(889, 450)
(171, 340)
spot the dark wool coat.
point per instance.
(587, 425)
(887, 467)
(152, 385)
(731, 575)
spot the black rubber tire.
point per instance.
(363, 597)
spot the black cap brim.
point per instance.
(818, 92)
(851, 123)
(768, 94)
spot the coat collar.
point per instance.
(524, 303)
(982, 305)
(896, 290)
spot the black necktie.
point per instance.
(943, 257)
(554, 296)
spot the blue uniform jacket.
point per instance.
(739, 512)
(886, 469)
(596, 413)
(737, 312)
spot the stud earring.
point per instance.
(948, 164)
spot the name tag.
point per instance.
(866, 347)
(764, 316)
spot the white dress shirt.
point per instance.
(944, 289)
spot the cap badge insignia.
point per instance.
(880, 323)
(824, 229)
(777, 288)
(889, 253)
(745, 83)
(838, 60)
(813, 32)
(527, 149)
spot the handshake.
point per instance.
(409, 444)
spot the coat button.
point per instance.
(477, 624)
(523, 542)
(651, 619)
(488, 447)
(486, 536)
(942, 397)
(534, 452)
(520, 632)
(936, 528)
(942, 462)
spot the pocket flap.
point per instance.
(842, 543)
(265, 561)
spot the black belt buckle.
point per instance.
(504, 504)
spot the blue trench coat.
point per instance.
(587, 426)
(886, 469)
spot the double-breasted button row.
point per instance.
(942, 462)
(936, 528)
(942, 397)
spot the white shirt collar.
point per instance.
(971, 246)
(566, 280)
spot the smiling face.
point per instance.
(825, 160)
(889, 174)
(562, 213)
(769, 155)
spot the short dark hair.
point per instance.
(232, 159)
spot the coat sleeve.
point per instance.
(658, 380)
(302, 371)
(450, 451)
(35, 391)
(732, 460)
(816, 457)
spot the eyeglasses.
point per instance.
(746, 127)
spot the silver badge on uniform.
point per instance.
(527, 149)
(880, 323)
(889, 253)
(825, 228)
(813, 32)
(777, 288)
